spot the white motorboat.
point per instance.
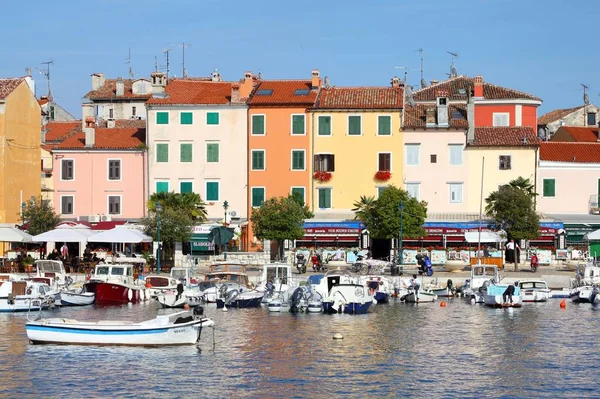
(156, 284)
(231, 273)
(52, 273)
(380, 287)
(24, 295)
(423, 295)
(182, 328)
(447, 291)
(587, 276)
(234, 296)
(562, 293)
(191, 296)
(348, 298)
(114, 283)
(76, 297)
(296, 300)
(481, 276)
(534, 290)
(494, 296)
(276, 279)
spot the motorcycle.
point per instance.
(316, 262)
(425, 265)
(534, 263)
(301, 263)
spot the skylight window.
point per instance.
(264, 92)
(301, 92)
(462, 92)
(457, 115)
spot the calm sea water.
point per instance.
(398, 350)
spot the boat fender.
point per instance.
(142, 295)
(29, 290)
(450, 284)
(129, 294)
(231, 295)
(10, 299)
(148, 284)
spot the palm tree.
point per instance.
(524, 184)
(189, 203)
(363, 209)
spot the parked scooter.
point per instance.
(425, 265)
(534, 262)
(301, 263)
(317, 263)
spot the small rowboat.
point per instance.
(181, 328)
(77, 297)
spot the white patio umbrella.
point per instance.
(121, 235)
(64, 235)
(12, 234)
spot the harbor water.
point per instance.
(397, 350)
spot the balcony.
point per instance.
(593, 205)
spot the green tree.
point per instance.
(382, 216)
(39, 216)
(188, 203)
(280, 218)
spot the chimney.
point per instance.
(90, 131)
(159, 81)
(471, 121)
(28, 72)
(430, 117)
(434, 82)
(316, 80)
(395, 81)
(235, 94)
(110, 123)
(87, 111)
(216, 76)
(247, 84)
(120, 87)
(97, 80)
(442, 108)
(478, 89)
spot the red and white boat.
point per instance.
(114, 283)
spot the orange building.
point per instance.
(279, 134)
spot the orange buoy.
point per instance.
(563, 304)
(148, 284)
(186, 307)
(443, 304)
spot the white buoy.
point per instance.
(338, 336)
(225, 308)
(472, 300)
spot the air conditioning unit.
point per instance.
(234, 215)
(94, 218)
(105, 218)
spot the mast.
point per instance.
(480, 212)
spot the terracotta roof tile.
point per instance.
(8, 85)
(360, 98)
(108, 91)
(190, 91)
(107, 139)
(556, 115)
(570, 152)
(582, 134)
(496, 136)
(458, 89)
(414, 117)
(57, 131)
(283, 92)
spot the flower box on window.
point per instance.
(383, 175)
(322, 176)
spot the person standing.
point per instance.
(64, 252)
(512, 253)
(414, 284)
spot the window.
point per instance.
(162, 152)
(299, 191)
(354, 125)
(162, 118)
(162, 186)
(504, 162)
(212, 152)
(186, 187)
(185, 152)
(52, 112)
(456, 154)
(186, 118)
(111, 113)
(133, 111)
(324, 163)
(455, 192)
(298, 160)
(501, 119)
(591, 119)
(212, 118)
(258, 196)
(384, 161)
(324, 125)
(212, 191)
(414, 190)
(298, 124)
(324, 198)
(264, 92)
(258, 124)
(66, 205)
(114, 169)
(549, 188)
(412, 154)
(67, 169)
(433, 158)
(258, 159)
(384, 125)
(114, 205)
(301, 92)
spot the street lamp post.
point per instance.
(400, 252)
(225, 207)
(23, 204)
(158, 211)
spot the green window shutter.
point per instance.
(298, 124)
(299, 191)
(212, 118)
(162, 152)
(258, 124)
(549, 187)
(162, 118)
(324, 125)
(354, 126)
(258, 196)
(162, 187)
(258, 160)
(185, 187)
(385, 126)
(212, 191)
(297, 160)
(212, 152)
(186, 118)
(324, 198)
(185, 152)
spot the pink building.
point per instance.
(99, 174)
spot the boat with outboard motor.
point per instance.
(232, 273)
(534, 290)
(348, 298)
(481, 276)
(76, 297)
(233, 295)
(587, 276)
(114, 283)
(22, 295)
(380, 287)
(294, 300)
(276, 279)
(494, 296)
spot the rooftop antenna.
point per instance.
(46, 73)
(586, 97)
(183, 46)
(155, 64)
(166, 52)
(453, 73)
(405, 72)
(128, 62)
(423, 82)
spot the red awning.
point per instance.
(107, 225)
(329, 238)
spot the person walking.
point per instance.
(512, 253)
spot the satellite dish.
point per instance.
(423, 83)
(586, 99)
(260, 76)
(542, 133)
(326, 84)
(453, 73)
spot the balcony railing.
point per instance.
(593, 205)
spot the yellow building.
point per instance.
(20, 161)
(509, 153)
(356, 134)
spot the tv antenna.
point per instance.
(423, 82)
(155, 64)
(46, 73)
(453, 73)
(166, 52)
(183, 46)
(586, 97)
(128, 62)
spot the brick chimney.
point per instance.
(235, 93)
(158, 81)
(90, 131)
(395, 81)
(434, 82)
(430, 117)
(87, 110)
(478, 89)
(316, 79)
(98, 80)
(471, 121)
(247, 84)
(120, 87)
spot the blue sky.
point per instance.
(546, 48)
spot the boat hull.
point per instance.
(349, 308)
(116, 293)
(424, 297)
(170, 300)
(253, 302)
(382, 297)
(21, 305)
(73, 299)
(535, 296)
(496, 301)
(582, 294)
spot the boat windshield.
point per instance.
(206, 284)
(533, 284)
(53, 267)
(179, 273)
(276, 272)
(120, 271)
(101, 270)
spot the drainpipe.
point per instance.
(312, 181)
(535, 170)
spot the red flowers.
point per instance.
(383, 175)
(322, 176)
